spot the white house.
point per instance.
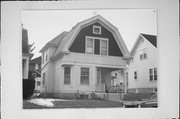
(82, 59)
(35, 72)
(143, 67)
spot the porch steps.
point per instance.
(114, 96)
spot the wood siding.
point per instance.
(79, 43)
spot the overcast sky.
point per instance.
(44, 25)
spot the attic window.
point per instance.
(96, 29)
(143, 54)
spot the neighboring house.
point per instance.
(35, 72)
(81, 60)
(118, 79)
(143, 67)
(26, 55)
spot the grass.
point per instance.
(76, 104)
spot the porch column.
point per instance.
(25, 68)
(125, 80)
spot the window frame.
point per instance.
(34, 75)
(100, 39)
(135, 75)
(94, 27)
(86, 45)
(38, 83)
(65, 76)
(81, 82)
(104, 39)
(153, 75)
(143, 54)
(46, 57)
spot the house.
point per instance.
(26, 55)
(35, 72)
(143, 67)
(81, 60)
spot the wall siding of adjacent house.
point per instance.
(142, 67)
(88, 31)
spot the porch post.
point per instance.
(125, 80)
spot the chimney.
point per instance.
(94, 13)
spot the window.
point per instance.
(34, 75)
(153, 74)
(89, 45)
(115, 74)
(38, 83)
(36, 66)
(96, 29)
(127, 79)
(67, 75)
(84, 76)
(46, 57)
(104, 47)
(44, 77)
(143, 54)
(135, 75)
(42, 58)
(96, 45)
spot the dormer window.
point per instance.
(96, 29)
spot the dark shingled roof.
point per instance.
(36, 60)
(151, 39)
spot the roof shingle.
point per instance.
(151, 39)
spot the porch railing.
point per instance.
(100, 88)
(116, 89)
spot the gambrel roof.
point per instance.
(65, 42)
(150, 38)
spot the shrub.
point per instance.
(77, 95)
(94, 96)
(28, 88)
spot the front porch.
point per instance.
(110, 80)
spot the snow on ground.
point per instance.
(44, 102)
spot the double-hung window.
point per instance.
(143, 54)
(104, 47)
(135, 75)
(84, 79)
(89, 45)
(67, 75)
(153, 74)
(150, 74)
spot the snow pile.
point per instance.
(44, 102)
(40, 101)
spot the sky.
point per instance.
(44, 25)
